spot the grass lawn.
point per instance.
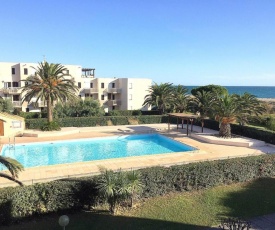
(187, 210)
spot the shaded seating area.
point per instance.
(189, 118)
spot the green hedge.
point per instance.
(96, 121)
(74, 193)
(32, 115)
(124, 113)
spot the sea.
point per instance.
(258, 91)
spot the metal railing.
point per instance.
(17, 103)
(10, 90)
(113, 102)
(114, 90)
(90, 90)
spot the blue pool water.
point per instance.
(80, 150)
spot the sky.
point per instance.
(187, 42)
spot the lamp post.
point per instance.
(63, 221)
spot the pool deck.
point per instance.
(206, 151)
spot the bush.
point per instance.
(50, 126)
(270, 123)
(32, 115)
(96, 121)
(124, 113)
(74, 193)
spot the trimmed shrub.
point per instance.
(75, 193)
(96, 121)
(152, 119)
(119, 120)
(124, 113)
(32, 115)
(50, 126)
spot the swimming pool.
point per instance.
(81, 150)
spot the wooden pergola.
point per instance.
(182, 116)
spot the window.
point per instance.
(113, 85)
(114, 96)
(109, 96)
(113, 108)
(91, 85)
(102, 85)
(102, 97)
(130, 96)
(25, 71)
(16, 124)
(15, 84)
(12, 70)
(79, 84)
(130, 85)
(26, 83)
(87, 95)
(27, 109)
(8, 84)
(15, 98)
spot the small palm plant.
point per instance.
(119, 186)
(135, 184)
(13, 166)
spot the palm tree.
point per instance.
(49, 84)
(250, 105)
(116, 187)
(135, 184)
(230, 108)
(202, 103)
(160, 96)
(113, 187)
(13, 166)
(181, 98)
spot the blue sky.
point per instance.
(198, 42)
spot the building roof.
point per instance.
(10, 116)
(183, 115)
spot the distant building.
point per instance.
(112, 93)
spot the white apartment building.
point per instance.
(112, 93)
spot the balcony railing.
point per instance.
(114, 90)
(113, 102)
(10, 90)
(91, 90)
(38, 104)
(17, 103)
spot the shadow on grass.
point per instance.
(256, 199)
(101, 220)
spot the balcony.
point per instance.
(113, 102)
(10, 90)
(38, 104)
(17, 104)
(90, 90)
(114, 90)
